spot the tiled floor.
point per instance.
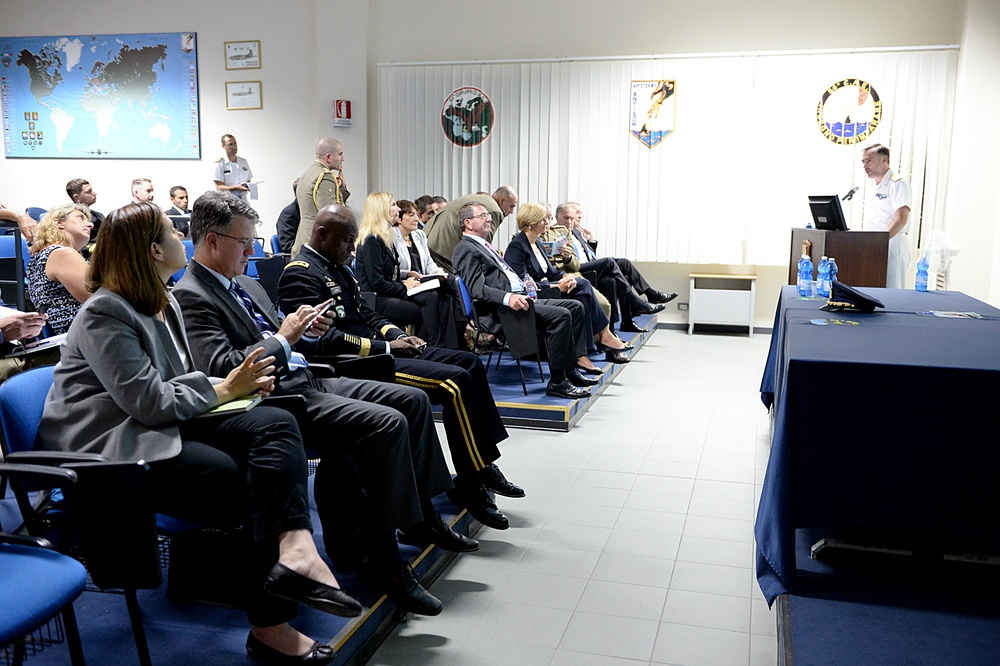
(635, 542)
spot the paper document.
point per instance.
(426, 285)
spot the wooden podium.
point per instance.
(862, 256)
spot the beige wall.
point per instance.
(417, 31)
(315, 51)
(279, 141)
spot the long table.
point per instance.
(887, 421)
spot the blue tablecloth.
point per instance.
(889, 424)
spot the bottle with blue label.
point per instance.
(922, 267)
(530, 288)
(805, 272)
(833, 271)
(823, 277)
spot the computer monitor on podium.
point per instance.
(827, 213)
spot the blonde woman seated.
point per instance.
(57, 272)
(526, 255)
(439, 321)
(126, 388)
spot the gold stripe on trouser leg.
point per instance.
(456, 399)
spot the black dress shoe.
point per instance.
(494, 480)
(479, 505)
(595, 372)
(400, 584)
(652, 308)
(565, 389)
(659, 297)
(628, 326)
(287, 584)
(577, 379)
(441, 535)
(319, 654)
(616, 356)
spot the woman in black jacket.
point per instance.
(433, 312)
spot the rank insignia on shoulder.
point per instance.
(895, 177)
(303, 264)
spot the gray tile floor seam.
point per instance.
(635, 543)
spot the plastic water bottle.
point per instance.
(805, 273)
(833, 271)
(530, 288)
(823, 277)
(922, 267)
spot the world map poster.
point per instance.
(100, 96)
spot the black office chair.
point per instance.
(13, 261)
(518, 336)
(269, 272)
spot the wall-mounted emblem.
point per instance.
(849, 111)
(467, 117)
(651, 111)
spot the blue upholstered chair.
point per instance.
(103, 510)
(258, 255)
(189, 251)
(36, 213)
(37, 585)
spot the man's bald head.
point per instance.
(506, 198)
(335, 233)
(330, 152)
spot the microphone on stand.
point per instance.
(847, 197)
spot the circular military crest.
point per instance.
(849, 111)
(467, 117)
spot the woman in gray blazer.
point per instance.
(125, 388)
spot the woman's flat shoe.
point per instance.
(589, 371)
(616, 356)
(287, 584)
(319, 654)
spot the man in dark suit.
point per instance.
(80, 191)
(490, 279)
(288, 222)
(454, 379)
(569, 215)
(179, 213)
(386, 431)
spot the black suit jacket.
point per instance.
(522, 259)
(378, 269)
(588, 246)
(221, 331)
(287, 225)
(484, 277)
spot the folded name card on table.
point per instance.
(952, 314)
